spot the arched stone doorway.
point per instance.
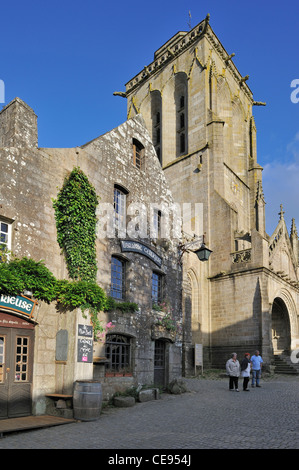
(281, 331)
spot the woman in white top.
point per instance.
(245, 371)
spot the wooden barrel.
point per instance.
(87, 400)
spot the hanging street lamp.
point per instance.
(203, 253)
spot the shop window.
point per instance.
(117, 352)
(117, 290)
(156, 288)
(22, 355)
(138, 155)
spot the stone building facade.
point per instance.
(187, 151)
(198, 109)
(134, 266)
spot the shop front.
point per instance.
(16, 356)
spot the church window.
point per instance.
(156, 112)
(182, 143)
(158, 118)
(181, 113)
(158, 137)
(182, 121)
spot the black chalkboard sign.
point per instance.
(85, 330)
(85, 348)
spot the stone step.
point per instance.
(283, 367)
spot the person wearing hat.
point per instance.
(245, 371)
(233, 371)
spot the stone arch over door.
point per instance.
(195, 317)
(281, 334)
(284, 321)
(191, 320)
(291, 307)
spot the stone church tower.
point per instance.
(198, 110)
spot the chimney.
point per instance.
(18, 125)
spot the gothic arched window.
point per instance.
(181, 100)
(156, 111)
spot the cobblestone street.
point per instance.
(209, 416)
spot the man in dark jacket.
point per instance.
(245, 371)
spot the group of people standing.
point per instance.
(249, 364)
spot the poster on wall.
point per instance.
(198, 356)
(85, 343)
(85, 348)
(85, 330)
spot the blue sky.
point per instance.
(66, 58)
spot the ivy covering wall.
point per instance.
(75, 215)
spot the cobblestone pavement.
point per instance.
(209, 416)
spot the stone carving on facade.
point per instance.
(242, 256)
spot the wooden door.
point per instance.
(16, 363)
(159, 364)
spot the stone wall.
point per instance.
(51, 375)
(30, 180)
